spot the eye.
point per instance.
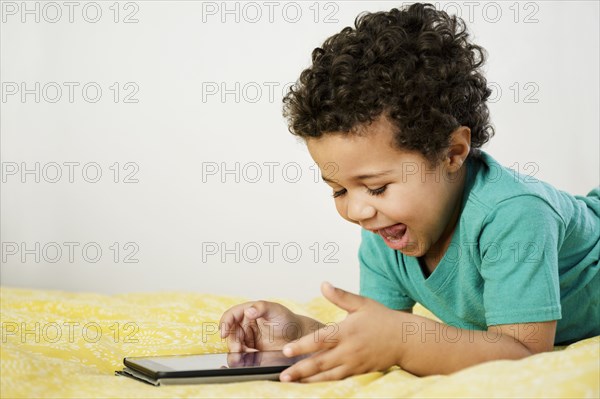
(339, 193)
(377, 191)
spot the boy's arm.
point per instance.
(374, 337)
(429, 347)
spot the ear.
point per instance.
(458, 150)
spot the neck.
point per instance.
(436, 252)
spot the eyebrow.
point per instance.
(361, 177)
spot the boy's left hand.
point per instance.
(367, 340)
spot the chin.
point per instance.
(413, 249)
(411, 254)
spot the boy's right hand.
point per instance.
(262, 325)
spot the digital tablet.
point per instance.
(208, 368)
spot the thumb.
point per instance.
(343, 299)
(260, 309)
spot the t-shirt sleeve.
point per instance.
(375, 280)
(519, 245)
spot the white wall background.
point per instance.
(177, 219)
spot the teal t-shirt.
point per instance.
(522, 251)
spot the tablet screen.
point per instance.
(213, 361)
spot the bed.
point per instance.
(68, 345)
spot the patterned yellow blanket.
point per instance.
(68, 345)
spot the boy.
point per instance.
(510, 265)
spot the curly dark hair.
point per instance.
(415, 66)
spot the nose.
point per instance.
(358, 209)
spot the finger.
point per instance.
(233, 345)
(234, 340)
(334, 374)
(250, 334)
(229, 318)
(319, 340)
(249, 310)
(224, 325)
(259, 309)
(316, 364)
(343, 299)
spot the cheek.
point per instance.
(416, 205)
(340, 206)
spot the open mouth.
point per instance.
(395, 236)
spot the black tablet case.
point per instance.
(136, 375)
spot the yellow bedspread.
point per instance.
(68, 345)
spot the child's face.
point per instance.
(418, 203)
